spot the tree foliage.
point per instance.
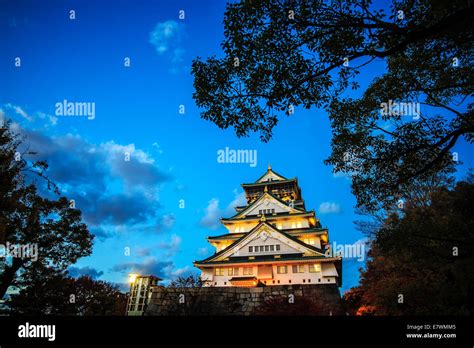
(282, 54)
(191, 281)
(52, 293)
(425, 255)
(27, 218)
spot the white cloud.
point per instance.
(158, 148)
(19, 111)
(117, 149)
(203, 251)
(181, 271)
(36, 117)
(140, 251)
(213, 212)
(166, 37)
(168, 220)
(53, 120)
(238, 201)
(110, 191)
(22, 113)
(171, 247)
(329, 208)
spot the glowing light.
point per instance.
(132, 277)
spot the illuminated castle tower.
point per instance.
(273, 240)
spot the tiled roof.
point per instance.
(255, 203)
(270, 217)
(263, 183)
(270, 259)
(296, 240)
(298, 231)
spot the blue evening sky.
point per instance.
(136, 204)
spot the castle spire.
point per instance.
(269, 166)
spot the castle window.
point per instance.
(279, 226)
(314, 267)
(261, 248)
(309, 241)
(267, 248)
(248, 270)
(250, 249)
(272, 247)
(296, 224)
(218, 271)
(298, 268)
(282, 270)
(277, 247)
(236, 271)
(230, 271)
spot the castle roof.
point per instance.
(247, 235)
(293, 231)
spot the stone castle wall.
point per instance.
(271, 300)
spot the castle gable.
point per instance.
(267, 205)
(265, 240)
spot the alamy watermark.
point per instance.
(393, 108)
(21, 251)
(28, 330)
(68, 108)
(347, 251)
(237, 156)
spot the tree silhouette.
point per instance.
(27, 219)
(282, 54)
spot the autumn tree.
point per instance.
(421, 260)
(52, 225)
(51, 293)
(279, 55)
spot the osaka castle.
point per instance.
(273, 240)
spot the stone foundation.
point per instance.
(271, 300)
